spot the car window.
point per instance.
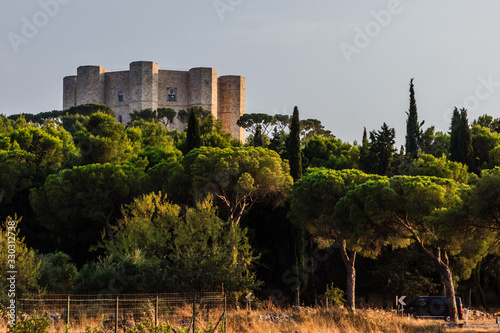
(420, 302)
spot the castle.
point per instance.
(144, 86)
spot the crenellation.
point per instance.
(145, 86)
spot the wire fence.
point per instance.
(118, 313)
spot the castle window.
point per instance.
(120, 119)
(120, 96)
(171, 96)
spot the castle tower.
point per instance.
(90, 85)
(69, 92)
(232, 104)
(203, 89)
(143, 81)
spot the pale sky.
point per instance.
(346, 63)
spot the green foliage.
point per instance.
(193, 138)
(25, 261)
(103, 141)
(252, 121)
(460, 140)
(434, 143)
(237, 177)
(75, 205)
(488, 122)
(312, 127)
(428, 165)
(334, 295)
(412, 126)
(193, 249)
(17, 170)
(380, 150)
(294, 152)
(57, 273)
(484, 200)
(331, 153)
(315, 195)
(32, 324)
(483, 142)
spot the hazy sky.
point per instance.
(346, 63)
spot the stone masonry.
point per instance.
(145, 86)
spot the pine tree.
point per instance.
(193, 138)
(294, 153)
(412, 126)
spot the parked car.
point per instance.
(432, 307)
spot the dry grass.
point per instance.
(331, 321)
(304, 320)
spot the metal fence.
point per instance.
(118, 313)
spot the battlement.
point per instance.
(144, 86)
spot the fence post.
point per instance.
(225, 312)
(67, 317)
(116, 316)
(156, 312)
(194, 312)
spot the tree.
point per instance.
(381, 149)
(192, 247)
(26, 264)
(423, 210)
(484, 200)
(250, 122)
(237, 177)
(258, 139)
(294, 152)
(312, 127)
(412, 126)
(483, 141)
(313, 202)
(166, 116)
(193, 138)
(488, 122)
(103, 140)
(76, 204)
(428, 165)
(460, 139)
(330, 152)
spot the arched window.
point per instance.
(121, 96)
(171, 96)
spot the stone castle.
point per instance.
(144, 86)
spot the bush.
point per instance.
(32, 324)
(335, 296)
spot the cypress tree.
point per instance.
(294, 153)
(258, 139)
(454, 136)
(193, 138)
(461, 140)
(466, 142)
(412, 126)
(363, 153)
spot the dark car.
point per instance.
(432, 307)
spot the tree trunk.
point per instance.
(450, 292)
(349, 261)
